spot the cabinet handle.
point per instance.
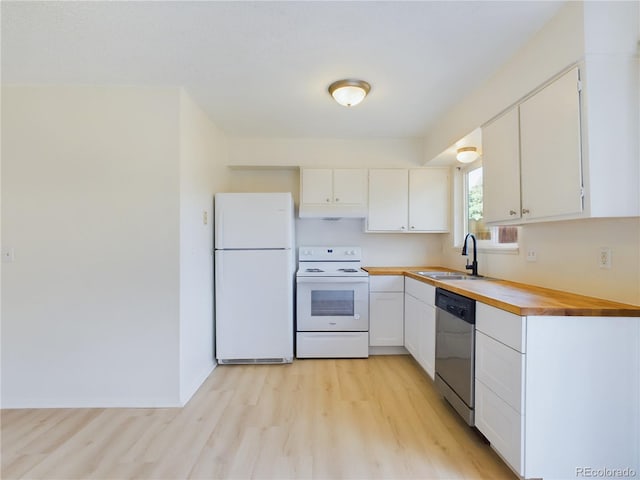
(402, 227)
(525, 211)
(328, 200)
(413, 227)
(337, 199)
(512, 212)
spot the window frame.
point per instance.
(460, 221)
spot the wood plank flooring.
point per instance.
(313, 419)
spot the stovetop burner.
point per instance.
(314, 270)
(348, 270)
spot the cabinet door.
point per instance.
(428, 339)
(429, 200)
(317, 186)
(350, 186)
(411, 325)
(386, 319)
(502, 425)
(388, 200)
(550, 150)
(501, 168)
(501, 369)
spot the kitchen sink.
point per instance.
(450, 276)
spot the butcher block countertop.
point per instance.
(519, 298)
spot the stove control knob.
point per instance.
(352, 252)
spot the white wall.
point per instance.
(203, 156)
(90, 198)
(559, 43)
(319, 152)
(567, 258)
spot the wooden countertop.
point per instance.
(519, 298)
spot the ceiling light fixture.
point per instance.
(349, 92)
(467, 154)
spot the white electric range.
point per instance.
(332, 303)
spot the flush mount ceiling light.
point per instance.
(467, 154)
(349, 92)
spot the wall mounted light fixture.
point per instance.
(467, 154)
(349, 92)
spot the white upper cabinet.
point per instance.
(501, 168)
(388, 200)
(429, 200)
(316, 186)
(543, 159)
(326, 192)
(415, 200)
(350, 187)
(532, 157)
(550, 152)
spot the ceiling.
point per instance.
(261, 69)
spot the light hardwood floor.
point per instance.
(319, 419)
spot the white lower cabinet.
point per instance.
(428, 340)
(420, 323)
(386, 311)
(499, 398)
(555, 394)
(502, 425)
(500, 370)
(412, 325)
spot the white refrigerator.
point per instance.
(254, 277)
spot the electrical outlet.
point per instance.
(532, 255)
(605, 257)
(205, 217)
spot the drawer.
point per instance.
(502, 425)
(332, 344)
(386, 283)
(505, 327)
(420, 290)
(501, 368)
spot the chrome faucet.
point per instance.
(473, 266)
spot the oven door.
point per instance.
(332, 304)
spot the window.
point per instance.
(473, 220)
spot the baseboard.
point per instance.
(388, 351)
(128, 402)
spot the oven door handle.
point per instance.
(332, 279)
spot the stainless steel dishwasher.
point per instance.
(455, 351)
